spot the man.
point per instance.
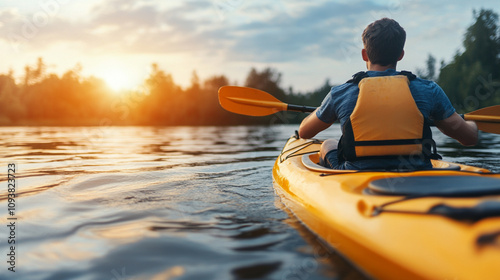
(385, 114)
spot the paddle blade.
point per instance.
(493, 111)
(249, 101)
(487, 119)
(488, 127)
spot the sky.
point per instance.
(307, 41)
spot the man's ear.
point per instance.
(402, 54)
(364, 54)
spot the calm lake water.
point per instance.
(164, 203)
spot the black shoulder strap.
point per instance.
(356, 78)
(408, 74)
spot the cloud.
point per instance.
(125, 15)
(116, 24)
(271, 31)
(324, 29)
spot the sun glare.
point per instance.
(118, 78)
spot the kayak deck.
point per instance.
(394, 235)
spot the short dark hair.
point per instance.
(384, 41)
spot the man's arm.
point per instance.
(311, 126)
(463, 131)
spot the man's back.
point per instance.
(383, 42)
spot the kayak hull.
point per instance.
(401, 242)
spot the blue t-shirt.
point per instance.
(429, 97)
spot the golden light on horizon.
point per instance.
(118, 76)
(118, 79)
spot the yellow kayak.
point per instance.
(434, 224)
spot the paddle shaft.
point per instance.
(308, 109)
(299, 108)
(489, 119)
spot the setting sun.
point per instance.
(118, 76)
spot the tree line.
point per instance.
(471, 80)
(43, 98)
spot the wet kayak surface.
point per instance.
(165, 203)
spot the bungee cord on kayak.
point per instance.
(297, 149)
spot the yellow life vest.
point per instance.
(385, 122)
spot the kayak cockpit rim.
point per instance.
(310, 159)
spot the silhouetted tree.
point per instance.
(268, 80)
(429, 73)
(472, 79)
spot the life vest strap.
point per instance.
(389, 142)
(356, 78)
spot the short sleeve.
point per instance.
(443, 108)
(326, 112)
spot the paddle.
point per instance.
(487, 119)
(254, 102)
